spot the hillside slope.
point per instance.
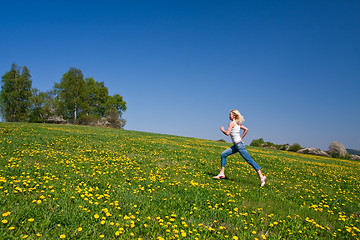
(77, 182)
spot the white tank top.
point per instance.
(235, 133)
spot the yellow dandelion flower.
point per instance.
(30, 219)
(96, 216)
(62, 236)
(4, 221)
(79, 229)
(5, 214)
(11, 228)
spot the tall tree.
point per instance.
(15, 93)
(41, 106)
(97, 97)
(71, 94)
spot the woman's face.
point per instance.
(231, 116)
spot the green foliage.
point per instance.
(295, 147)
(41, 106)
(90, 119)
(15, 94)
(112, 116)
(284, 147)
(71, 94)
(270, 145)
(257, 142)
(117, 102)
(97, 96)
(73, 99)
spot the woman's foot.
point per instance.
(220, 176)
(263, 181)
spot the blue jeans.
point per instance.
(239, 147)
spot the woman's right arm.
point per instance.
(228, 131)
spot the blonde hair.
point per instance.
(239, 119)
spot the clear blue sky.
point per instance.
(292, 68)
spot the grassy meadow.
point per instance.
(77, 182)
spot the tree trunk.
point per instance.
(75, 114)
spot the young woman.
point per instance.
(234, 131)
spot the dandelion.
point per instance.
(5, 214)
(30, 219)
(62, 236)
(25, 236)
(4, 221)
(79, 229)
(11, 228)
(96, 216)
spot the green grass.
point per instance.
(77, 182)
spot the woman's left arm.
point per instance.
(245, 131)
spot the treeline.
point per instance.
(73, 100)
(286, 147)
(336, 149)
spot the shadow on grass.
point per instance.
(211, 174)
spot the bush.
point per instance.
(269, 145)
(113, 117)
(285, 147)
(295, 147)
(257, 142)
(221, 140)
(88, 119)
(337, 149)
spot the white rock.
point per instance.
(314, 151)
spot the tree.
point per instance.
(337, 149)
(15, 93)
(257, 142)
(295, 147)
(118, 103)
(41, 107)
(97, 96)
(113, 117)
(71, 94)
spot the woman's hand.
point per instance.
(222, 129)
